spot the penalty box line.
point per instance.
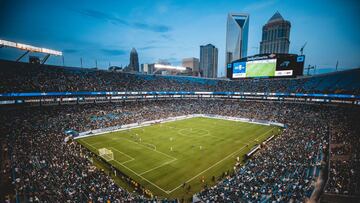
(92, 145)
(133, 172)
(131, 158)
(142, 145)
(228, 156)
(170, 191)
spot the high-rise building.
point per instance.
(192, 63)
(134, 61)
(208, 61)
(147, 68)
(276, 35)
(237, 30)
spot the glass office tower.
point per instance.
(237, 30)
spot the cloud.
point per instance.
(117, 21)
(166, 36)
(150, 47)
(171, 60)
(151, 27)
(103, 16)
(113, 52)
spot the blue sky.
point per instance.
(174, 29)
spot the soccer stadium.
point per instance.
(265, 132)
(185, 139)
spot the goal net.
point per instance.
(106, 154)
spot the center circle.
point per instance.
(193, 132)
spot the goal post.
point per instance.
(106, 154)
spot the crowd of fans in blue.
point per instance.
(44, 168)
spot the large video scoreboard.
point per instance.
(267, 65)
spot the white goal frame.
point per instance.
(106, 154)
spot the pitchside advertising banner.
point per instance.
(268, 65)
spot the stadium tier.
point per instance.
(24, 77)
(144, 138)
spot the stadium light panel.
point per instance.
(161, 66)
(30, 48)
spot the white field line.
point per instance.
(228, 156)
(166, 163)
(170, 191)
(137, 174)
(131, 158)
(142, 177)
(89, 144)
(127, 161)
(123, 138)
(171, 119)
(146, 147)
(146, 143)
(196, 136)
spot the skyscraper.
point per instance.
(192, 63)
(134, 61)
(276, 35)
(147, 68)
(237, 30)
(208, 61)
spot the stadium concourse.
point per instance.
(316, 156)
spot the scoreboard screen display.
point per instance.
(273, 65)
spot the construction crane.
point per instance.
(310, 68)
(302, 49)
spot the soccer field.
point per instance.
(162, 157)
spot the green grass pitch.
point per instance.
(162, 157)
(260, 69)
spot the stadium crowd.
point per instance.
(344, 158)
(44, 168)
(285, 170)
(23, 77)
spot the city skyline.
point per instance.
(106, 32)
